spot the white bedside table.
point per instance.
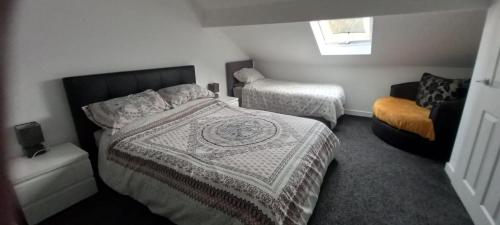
(52, 181)
(229, 100)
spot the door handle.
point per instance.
(486, 82)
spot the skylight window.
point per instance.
(344, 36)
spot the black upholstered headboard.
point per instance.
(232, 67)
(83, 90)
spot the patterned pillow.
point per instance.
(248, 75)
(434, 90)
(180, 94)
(118, 112)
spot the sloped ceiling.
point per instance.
(214, 13)
(421, 39)
(207, 5)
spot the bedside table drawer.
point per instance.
(53, 181)
(233, 102)
(52, 204)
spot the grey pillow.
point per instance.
(117, 112)
(180, 94)
(434, 90)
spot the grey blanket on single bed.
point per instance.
(299, 99)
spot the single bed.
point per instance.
(325, 101)
(205, 162)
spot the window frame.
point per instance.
(361, 46)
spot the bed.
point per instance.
(325, 101)
(205, 162)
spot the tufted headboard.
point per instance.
(232, 67)
(83, 90)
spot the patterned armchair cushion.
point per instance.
(434, 90)
(117, 112)
(180, 94)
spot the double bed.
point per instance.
(324, 101)
(204, 162)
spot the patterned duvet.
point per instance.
(210, 163)
(315, 100)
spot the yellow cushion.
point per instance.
(405, 115)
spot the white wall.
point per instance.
(404, 47)
(362, 84)
(58, 38)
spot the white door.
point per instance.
(474, 167)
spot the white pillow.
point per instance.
(248, 75)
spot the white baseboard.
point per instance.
(354, 112)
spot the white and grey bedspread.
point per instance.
(210, 163)
(314, 100)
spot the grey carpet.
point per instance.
(374, 183)
(369, 183)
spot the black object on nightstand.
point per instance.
(214, 87)
(30, 137)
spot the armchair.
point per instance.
(445, 120)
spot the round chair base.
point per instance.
(407, 141)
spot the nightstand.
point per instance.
(229, 100)
(53, 181)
